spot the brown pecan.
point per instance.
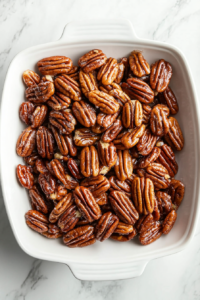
(69, 219)
(37, 221)
(40, 93)
(144, 223)
(132, 137)
(47, 183)
(25, 176)
(147, 160)
(143, 195)
(138, 64)
(80, 237)
(86, 203)
(45, 142)
(74, 168)
(168, 98)
(31, 159)
(60, 174)
(176, 191)
(39, 115)
(74, 73)
(85, 137)
(92, 60)
(174, 137)
(123, 167)
(89, 161)
(30, 78)
(111, 133)
(123, 207)
(108, 72)
(63, 120)
(59, 101)
(107, 88)
(98, 129)
(59, 193)
(106, 103)
(164, 203)
(138, 89)
(88, 82)
(146, 113)
(124, 238)
(41, 166)
(26, 142)
(161, 73)
(97, 185)
(37, 200)
(158, 121)
(119, 96)
(60, 208)
(159, 175)
(118, 141)
(150, 235)
(53, 232)
(107, 154)
(84, 113)
(118, 185)
(25, 112)
(169, 222)
(121, 71)
(68, 86)
(105, 120)
(65, 143)
(124, 229)
(54, 65)
(132, 114)
(167, 159)
(146, 143)
(106, 226)
(102, 199)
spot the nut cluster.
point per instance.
(99, 149)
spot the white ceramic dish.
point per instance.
(109, 260)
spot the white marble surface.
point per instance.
(26, 23)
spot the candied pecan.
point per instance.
(38, 116)
(85, 137)
(111, 133)
(167, 159)
(63, 120)
(159, 175)
(110, 87)
(143, 195)
(59, 193)
(147, 160)
(37, 221)
(151, 234)
(168, 98)
(108, 72)
(41, 166)
(97, 185)
(84, 113)
(68, 86)
(146, 143)
(119, 185)
(54, 65)
(176, 191)
(123, 207)
(132, 137)
(119, 96)
(26, 142)
(138, 89)
(146, 113)
(158, 121)
(60, 208)
(107, 154)
(59, 101)
(124, 238)
(25, 112)
(92, 60)
(69, 219)
(169, 222)
(105, 120)
(65, 143)
(53, 232)
(40, 93)
(98, 129)
(74, 73)
(89, 161)
(88, 82)
(31, 159)
(60, 174)
(106, 226)
(80, 237)
(45, 142)
(138, 64)
(123, 167)
(144, 223)
(174, 137)
(47, 183)
(102, 199)
(25, 176)
(124, 229)
(120, 72)
(164, 203)
(106, 103)
(37, 200)
(132, 114)
(118, 143)
(74, 168)
(86, 203)
(161, 73)
(30, 78)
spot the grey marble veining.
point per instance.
(26, 23)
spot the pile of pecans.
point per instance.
(99, 149)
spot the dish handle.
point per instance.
(99, 30)
(107, 271)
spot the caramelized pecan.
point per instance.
(147, 160)
(31, 159)
(119, 96)
(25, 176)
(176, 191)
(53, 232)
(69, 219)
(88, 82)
(92, 60)
(84, 113)
(89, 161)
(80, 237)
(39, 115)
(123, 167)
(158, 121)
(102, 199)
(144, 223)
(26, 142)
(47, 183)
(168, 98)
(124, 229)
(159, 175)
(60, 208)
(63, 120)
(119, 185)
(120, 72)
(40, 93)
(85, 137)
(97, 185)
(37, 200)
(107, 154)
(30, 78)
(132, 137)
(74, 168)
(167, 159)
(164, 203)
(138, 64)
(74, 73)
(59, 101)
(132, 114)
(161, 73)
(45, 142)
(25, 112)
(169, 222)
(68, 86)
(59, 193)
(105, 120)
(146, 113)
(65, 143)
(150, 235)
(118, 141)
(37, 221)
(108, 72)
(124, 238)
(106, 103)
(111, 133)
(146, 143)
(106, 226)
(174, 137)
(54, 65)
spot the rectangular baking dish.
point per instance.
(109, 260)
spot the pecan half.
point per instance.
(132, 137)
(54, 65)
(37, 221)
(120, 72)
(169, 222)
(92, 60)
(25, 112)
(176, 191)
(60, 208)
(124, 238)
(80, 237)
(59, 193)
(111, 133)
(47, 183)
(150, 235)
(167, 159)
(119, 185)
(123, 167)
(119, 96)
(68, 86)
(88, 82)
(40, 93)
(118, 141)
(146, 113)
(106, 226)
(138, 64)
(168, 98)
(74, 168)
(84, 113)
(97, 185)
(85, 137)
(53, 232)
(59, 101)
(107, 154)
(146, 143)
(69, 219)
(39, 115)
(26, 142)
(106, 103)
(158, 121)
(108, 72)
(105, 120)
(174, 137)
(132, 114)
(144, 223)
(159, 175)
(25, 176)
(63, 120)
(124, 229)
(147, 160)
(37, 200)
(98, 129)
(45, 142)
(40, 165)
(30, 78)
(89, 161)
(164, 203)
(65, 143)
(161, 73)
